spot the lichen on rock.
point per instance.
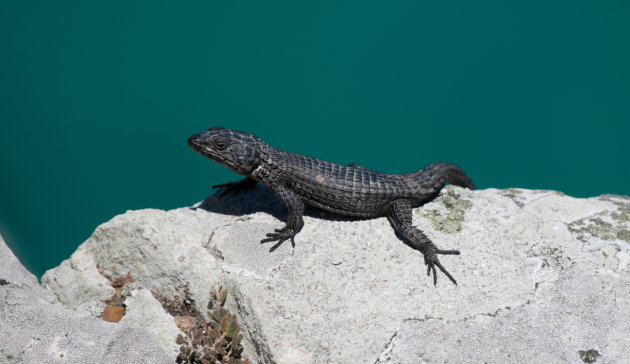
(449, 218)
(606, 225)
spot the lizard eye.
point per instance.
(220, 144)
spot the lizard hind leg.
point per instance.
(399, 216)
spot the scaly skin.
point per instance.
(347, 190)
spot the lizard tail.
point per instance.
(438, 173)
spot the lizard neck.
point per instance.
(268, 166)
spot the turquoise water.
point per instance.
(97, 99)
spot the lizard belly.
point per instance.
(341, 201)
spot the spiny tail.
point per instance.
(435, 175)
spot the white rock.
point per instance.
(542, 276)
(144, 311)
(35, 328)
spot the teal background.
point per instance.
(97, 98)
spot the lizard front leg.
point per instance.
(294, 221)
(399, 215)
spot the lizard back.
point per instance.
(358, 191)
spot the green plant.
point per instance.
(217, 341)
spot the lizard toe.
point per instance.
(432, 261)
(448, 252)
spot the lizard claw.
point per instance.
(280, 235)
(431, 260)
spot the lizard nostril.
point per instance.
(193, 141)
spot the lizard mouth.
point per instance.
(198, 146)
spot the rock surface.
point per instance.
(542, 277)
(35, 328)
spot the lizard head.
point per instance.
(237, 150)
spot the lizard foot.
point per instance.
(431, 261)
(236, 187)
(281, 235)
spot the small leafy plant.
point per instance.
(217, 341)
